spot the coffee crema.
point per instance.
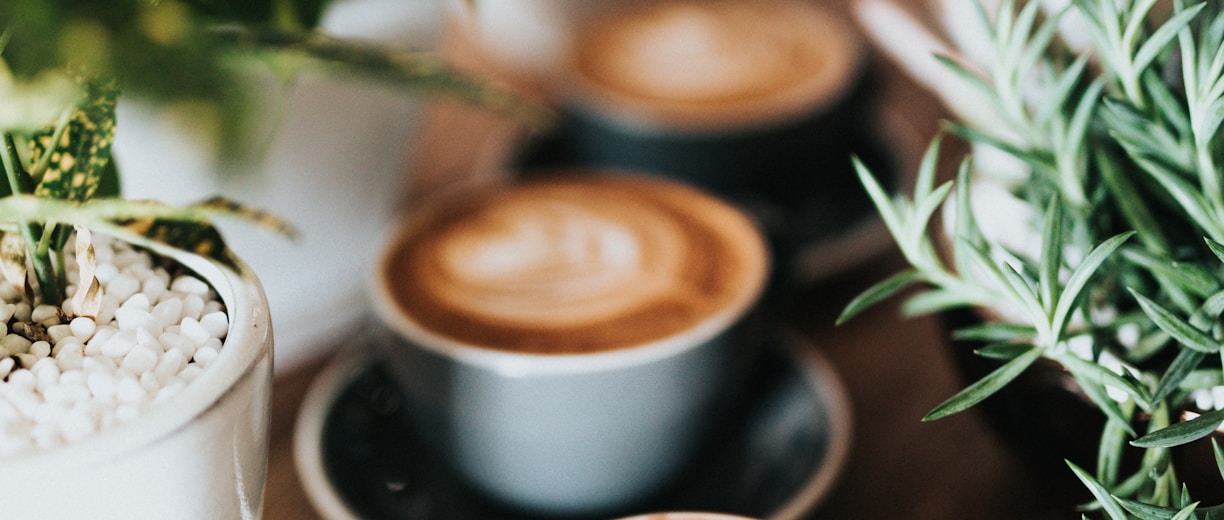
(575, 264)
(695, 62)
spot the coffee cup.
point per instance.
(760, 101)
(686, 515)
(566, 342)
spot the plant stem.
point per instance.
(44, 271)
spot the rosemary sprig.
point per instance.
(1123, 149)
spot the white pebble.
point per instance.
(59, 332)
(169, 312)
(99, 364)
(129, 391)
(133, 318)
(189, 285)
(140, 359)
(122, 286)
(46, 373)
(216, 323)
(193, 306)
(205, 355)
(149, 383)
(173, 341)
(22, 311)
(7, 310)
(15, 344)
(45, 314)
(189, 373)
(40, 349)
(102, 385)
(83, 327)
(6, 366)
(171, 363)
(26, 360)
(154, 288)
(194, 331)
(105, 272)
(120, 344)
(106, 311)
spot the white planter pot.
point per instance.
(200, 454)
(337, 154)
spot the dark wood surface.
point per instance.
(895, 369)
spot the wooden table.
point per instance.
(895, 369)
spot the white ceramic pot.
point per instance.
(202, 454)
(336, 157)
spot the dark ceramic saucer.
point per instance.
(358, 458)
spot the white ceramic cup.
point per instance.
(573, 433)
(686, 515)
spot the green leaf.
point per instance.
(1182, 366)
(877, 293)
(1107, 502)
(73, 167)
(1188, 276)
(1219, 456)
(1097, 373)
(1051, 256)
(1182, 432)
(994, 331)
(1003, 351)
(1181, 331)
(1160, 39)
(1080, 276)
(1111, 451)
(879, 197)
(1131, 204)
(937, 300)
(1144, 511)
(986, 386)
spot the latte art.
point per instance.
(577, 264)
(709, 60)
(565, 253)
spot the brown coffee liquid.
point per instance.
(717, 60)
(575, 264)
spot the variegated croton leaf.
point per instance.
(72, 165)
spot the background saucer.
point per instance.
(786, 444)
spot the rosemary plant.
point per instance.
(63, 65)
(1123, 163)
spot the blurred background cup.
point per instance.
(566, 342)
(760, 101)
(687, 515)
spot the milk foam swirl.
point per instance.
(558, 260)
(703, 52)
(592, 262)
(717, 59)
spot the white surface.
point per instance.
(334, 168)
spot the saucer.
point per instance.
(357, 455)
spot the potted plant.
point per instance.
(135, 372)
(1085, 229)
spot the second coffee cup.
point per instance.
(565, 342)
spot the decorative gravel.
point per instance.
(64, 378)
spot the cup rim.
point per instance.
(518, 363)
(846, 66)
